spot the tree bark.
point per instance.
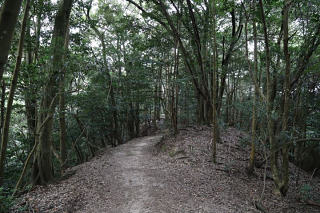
(226, 59)
(62, 116)
(215, 130)
(62, 127)
(269, 103)
(3, 100)
(42, 166)
(254, 78)
(8, 18)
(285, 151)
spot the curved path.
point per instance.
(132, 179)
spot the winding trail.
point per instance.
(133, 178)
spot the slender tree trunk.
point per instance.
(285, 150)
(5, 132)
(38, 28)
(63, 126)
(131, 119)
(155, 104)
(8, 18)
(227, 57)
(200, 109)
(137, 119)
(215, 129)
(3, 99)
(159, 94)
(253, 75)
(269, 103)
(175, 90)
(187, 97)
(62, 116)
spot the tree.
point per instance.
(215, 131)
(8, 18)
(42, 165)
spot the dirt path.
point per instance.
(132, 178)
(132, 161)
(128, 187)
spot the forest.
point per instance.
(79, 77)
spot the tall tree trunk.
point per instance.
(30, 91)
(155, 104)
(227, 57)
(5, 132)
(159, 93)
(269, 103)
(285, 151)
(3, 100)
(62, 127)
(131, 119)
(187, 110)
(175, 90)
(137, 119)
(8, 18)
(42, 166)
(62, 116)
(254, 77)
(38, 27)
(215, 130)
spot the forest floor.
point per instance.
(166, 174)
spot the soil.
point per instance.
(158, 174)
